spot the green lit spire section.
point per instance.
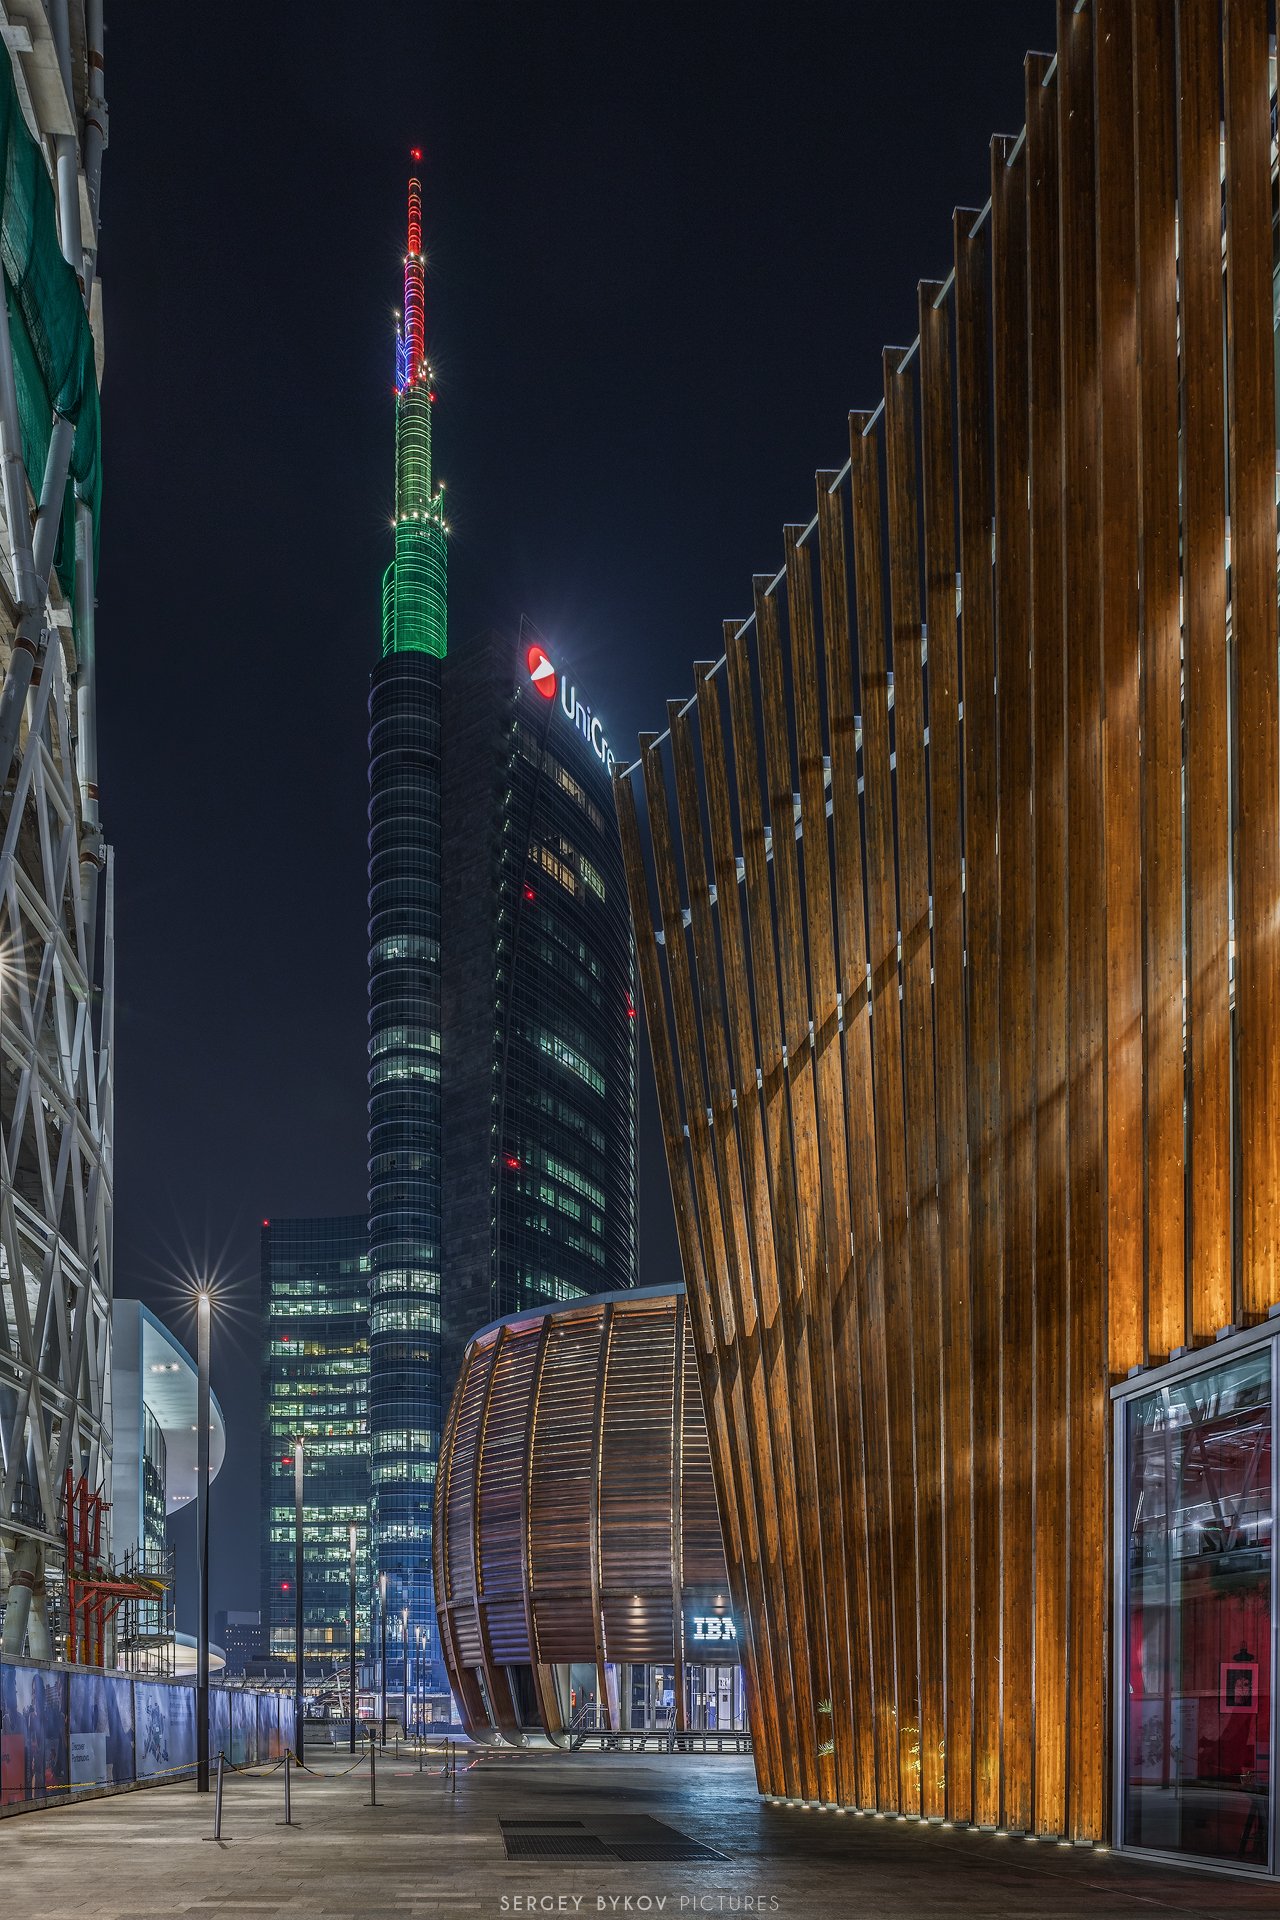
(415, 585)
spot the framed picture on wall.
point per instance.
(1238, 1685)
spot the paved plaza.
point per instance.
(427, 1850)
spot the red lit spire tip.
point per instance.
(415, 339)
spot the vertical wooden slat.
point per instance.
(543, 1678)
(1050, 720)
(1251, 367)
(851, 1724)
(886, 1054)
(813, 1229)
(945, 759)
(1017, 958)
(787, 1199)
(500, 1696)
(677, 1520)
(1157, 354)
(1118, 469)
(597, 1618)
(669, 1107)
(738, 1513)
(756, 1140)
(918, 1072)
(1086, 918)
(746, 1386)
(982, 982)
(868, 1340)
(1204, 539)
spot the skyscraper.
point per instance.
(315, 1382)
(405, 1391)
(539, 993)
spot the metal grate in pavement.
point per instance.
(678, 1847)
(555, 1846)
(538, 1826)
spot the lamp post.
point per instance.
(382, 1665)
(202, 1542)
(297, 1598)
(351, 1637)
(404, 1648)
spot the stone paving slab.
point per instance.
(426, 1853)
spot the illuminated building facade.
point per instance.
(405, 1406)
(957, 892)
(539, 1012)
(315, 1382)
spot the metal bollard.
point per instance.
(454, 1769)
(373, 1773)
(288, 1806)
(420, 1745)
(217, 1804)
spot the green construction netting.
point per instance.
(52, 340)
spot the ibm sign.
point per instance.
(706, 1628)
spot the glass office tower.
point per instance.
(315, 1379)
(539, 994)
(405, 1405)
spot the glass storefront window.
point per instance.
(1196, 1654)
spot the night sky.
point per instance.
(665, 246)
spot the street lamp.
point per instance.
(404, 1648)
(297, 1599)
(202, 1541)
(351, 1637)
(382, 1628)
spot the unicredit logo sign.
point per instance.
(576, 711)
(542, 673)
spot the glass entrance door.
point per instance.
(1196, 1654)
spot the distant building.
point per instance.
(315, 1323)
(153, 1474)
(538, 1007)
(240, 1637)
(153, 1411)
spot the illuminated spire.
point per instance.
(414, 608)
(415, 337)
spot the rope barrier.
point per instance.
(263, 1769)
(322, 1773)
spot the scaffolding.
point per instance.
(146, 1630)
(56, 891)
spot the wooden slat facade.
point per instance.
(576, 1508)
(958, 938)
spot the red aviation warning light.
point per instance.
(541, 672)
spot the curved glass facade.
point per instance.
(538, 998)
(404, 1123)
(566, 1101)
